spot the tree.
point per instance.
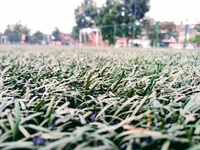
(122, 12)
(197, 27)
(112, 13)
(169, 30)
(85, 16)
(36, 37)
(39, 35)
(196, 38)
(56, 35)
(166, 30)
(149, 28)
(14, 32)
(75, 32)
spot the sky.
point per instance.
(45, 15)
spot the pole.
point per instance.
(134, 25)
(123, 28)
(98, 16)
(98, 19)
(134, 29)
(186, 32)
(115, 28)
(97, 37)
(80, 38)
(157, 33)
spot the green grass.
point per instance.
(99, 98)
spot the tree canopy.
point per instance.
(196, 38)
(117, 12)
(86, 14)
(14, 32)
(55, 33)
(36, 37)
(123, 13)
(166, 30)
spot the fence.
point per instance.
(146, 34)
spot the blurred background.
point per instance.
(115, 23)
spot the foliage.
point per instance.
(196, 38)
(170, 30)
(75, 32)
(14, 32)
(122, 12)
(39, 35)
(197, 27)
(166, 30)
(36, 37)
(85, 14)
(113, 12)
(67, 98)
(149, 27)
(56, 34)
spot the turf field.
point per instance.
(99, 98)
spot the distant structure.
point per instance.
(23, 38)
(46, 39)
(4, 39)
(91, 37)
(191, 33)
(65, 38)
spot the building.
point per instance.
(181, 38)
(4, 39)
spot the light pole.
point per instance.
(98, 11)
(123, 14)
(186, 32)
(134, 25)
(157, 33)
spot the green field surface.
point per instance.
(99, 98)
